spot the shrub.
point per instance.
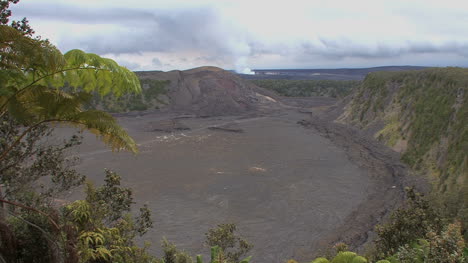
(231, 244)
(407, 224)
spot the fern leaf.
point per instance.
(344, 257)
(38, 84)
(321, 260)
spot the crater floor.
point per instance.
(283, 185)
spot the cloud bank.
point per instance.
(241, 36)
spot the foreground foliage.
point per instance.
(173, 255)
(39, 85)
(226, 247)
(414, 233)
(232, 246)
(99, 228)
(418, 232)
(407, 224)
(447, 247)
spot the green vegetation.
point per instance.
(371, 94)
(217, 256)
(307, 88)
(430, 105)
(173, 255)
(415, 233)
(409, 223)
(231, 245)
(101, 228)
(226, 247)
(40, 86)
(426, 111)
(149, 98)
(447, 247)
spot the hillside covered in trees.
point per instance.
(423, 115)
(308, 88)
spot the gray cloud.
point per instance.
(78, 14)
(141, 30)
(334, 49)
(203, 32)
(162, 32)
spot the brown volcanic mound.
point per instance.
(212, 91)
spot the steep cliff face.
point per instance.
(211, 91)
(423, 115)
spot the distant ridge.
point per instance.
(324, 74)
(367, 69)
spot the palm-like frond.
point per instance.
(39, 84)
(25, 54)
(107, 128)
(99, 74)
(44, 105)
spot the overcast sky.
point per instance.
(247, 34)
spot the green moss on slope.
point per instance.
(428, 109)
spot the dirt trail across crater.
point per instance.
(293, 183)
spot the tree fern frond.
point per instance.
(96, 73)
(76, 58)
(11, 79)
(25, 54)
(42, 104)
(321, 260)
(35, 83)
(106, 127)
(20, 112)
(24, 107)
(59, 104)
